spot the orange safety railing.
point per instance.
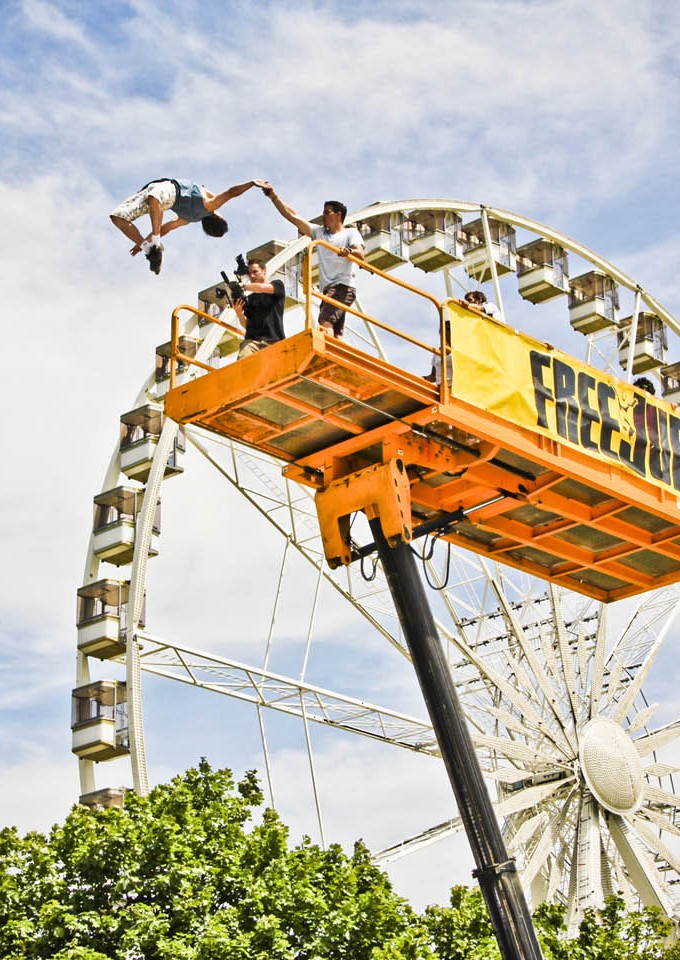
(176, 354)
(310, 292)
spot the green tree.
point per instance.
(612, 933)
(463, 931)
(185, 874)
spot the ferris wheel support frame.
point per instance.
(496, 870)
(140, 558)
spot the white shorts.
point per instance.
(135, 206)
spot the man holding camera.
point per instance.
(190, 201)
(262, 312)
(336, 272)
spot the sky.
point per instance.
(564, 111)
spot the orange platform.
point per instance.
(368, 435)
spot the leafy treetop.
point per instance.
(187, 873)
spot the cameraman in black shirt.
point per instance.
(261, 313)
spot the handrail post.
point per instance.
(632, 337)
(307, 284)
(444, 324)
(174, 345)
(492, 262)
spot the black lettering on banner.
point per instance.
(657, 437)
(589, 414)
(637, 433)
(674, 437)
(566, 408)
(541, 392)
(605, 393)
(633, 452)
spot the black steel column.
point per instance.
(495, 871)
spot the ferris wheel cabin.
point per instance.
(522, 454)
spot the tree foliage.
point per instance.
(189, 873)
(462, 931)
(184, 873)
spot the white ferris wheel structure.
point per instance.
(551, 682)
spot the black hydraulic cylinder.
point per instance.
(495, 871)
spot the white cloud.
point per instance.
(37, 791)
(49, 19)
(507, 111)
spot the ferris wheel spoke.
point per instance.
(639, 865)
(588, 879)
(642, 718)
(418, 841)
(521, 700)
(660, 796)
(597, 673)
(547, 647)
(659, 820)
(549, 887)
(566, 656)
(544, 848)
(625, 703)
(548, 690)
(607, 871)
(657, 738)
(513, 750)
(621, 880)
(654, 843)
(583, 655)
(513, 722)
(517, 729)
(530, 797)
(525, 833)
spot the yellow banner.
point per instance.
(528, 383)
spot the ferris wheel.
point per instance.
(550, 680)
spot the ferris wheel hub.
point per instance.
(611, 766)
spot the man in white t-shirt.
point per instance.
(478, 299)
(336, 272)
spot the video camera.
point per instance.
(234, 291)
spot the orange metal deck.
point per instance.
(335, 414)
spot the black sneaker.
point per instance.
(155, 257)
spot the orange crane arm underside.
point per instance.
(335, 414)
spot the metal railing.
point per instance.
(176, 355)
(310, 292)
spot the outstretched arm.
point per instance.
(287, 212)
(216, 200)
